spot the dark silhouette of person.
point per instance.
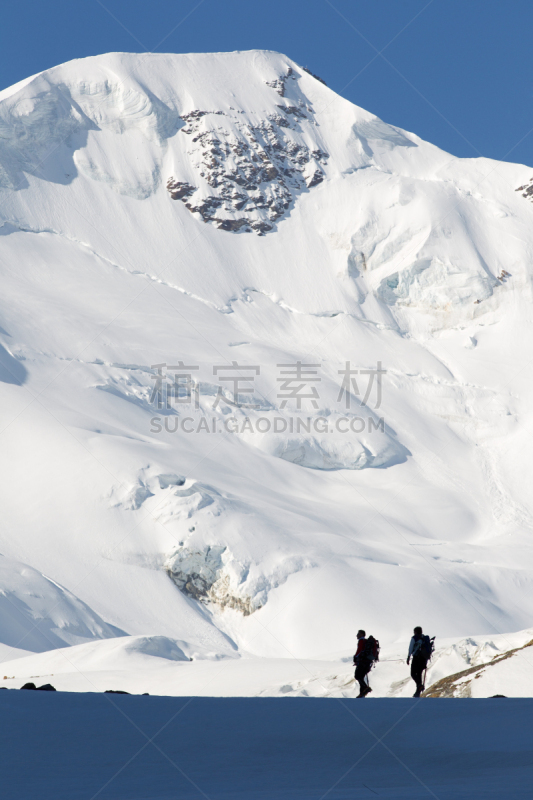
(363, 665)
(419, 652)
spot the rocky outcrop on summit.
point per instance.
(527, 190)
(249, 173)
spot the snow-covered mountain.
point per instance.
(265, 366)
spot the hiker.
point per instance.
(420, 650)
(366, 654)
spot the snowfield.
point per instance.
(265, 379)
(472, 667)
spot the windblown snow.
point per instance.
(264, 373)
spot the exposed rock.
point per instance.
(458, 684)
(220, 594)
(115, 691)
(47, 687)
(231, 224)
(193, 115)
(527, 190)
(279, 83)
(193, 571)
(316, 178)
(261, 227)
(306, 69)
(255, 171)
(277, 119)
(179, 190)
(201, 574)
(293, 110)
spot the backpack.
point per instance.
(424, 647)
(371, 651)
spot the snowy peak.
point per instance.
(131, 190)
(249, 140)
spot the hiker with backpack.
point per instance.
(365, 657)
(420, 651)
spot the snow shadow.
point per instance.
(11, 370)
(262, 748)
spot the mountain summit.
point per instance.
(264, 364)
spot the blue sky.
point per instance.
(456, 72)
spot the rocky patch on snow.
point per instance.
(222, 579)
(249, 173)
(527, 190)
(179, 190)
(316, 77)
(460, 683)
(206, 575)
(278, 84)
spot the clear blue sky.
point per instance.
(456, 72)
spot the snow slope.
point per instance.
(474, 667)
(116, 747)
(229, 209)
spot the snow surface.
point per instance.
(159, 665)
(135, 748)
(373, 246)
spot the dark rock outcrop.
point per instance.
(527, 190)
(255, 172)
(179, 189)
(306, 69)
(47, 687)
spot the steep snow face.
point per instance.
(263, 362)
(38, 614)
(241, 171)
